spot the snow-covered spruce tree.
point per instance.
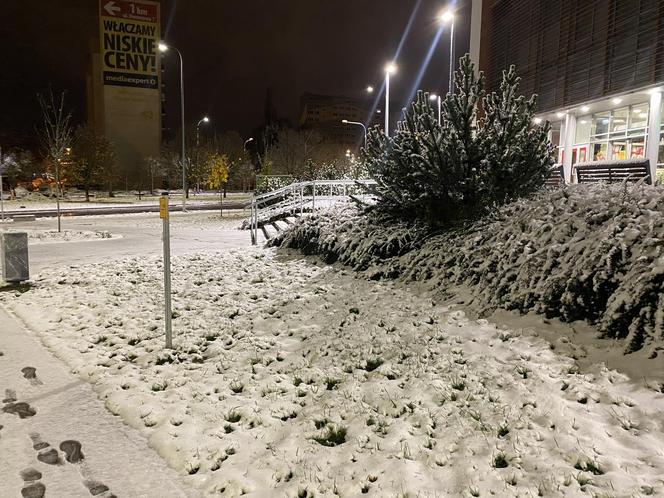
(399, 165)
(457, 171)
(517, 156)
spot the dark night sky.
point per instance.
(234, 50)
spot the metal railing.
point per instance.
(301, 196)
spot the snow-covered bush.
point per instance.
(444, 173)
(587, 252)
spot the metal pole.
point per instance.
(451, 82)
(2, 199)
(440, 107)
(184, 153)
(387, 103)
(357, 123)
(166, 237)
(57, 190)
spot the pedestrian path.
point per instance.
(58, 440)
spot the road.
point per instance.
(50, 212)
(138, 234)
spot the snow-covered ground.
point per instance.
(291, 378)
(36, 236)
(133, 235)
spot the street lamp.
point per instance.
(198, 126)
(447, 17)
(357, 123)
(390, 69)
(370, 89)
(163, 47)
(247, 141)
(205, 119)
(433, 97)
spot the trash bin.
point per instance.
(14, 256)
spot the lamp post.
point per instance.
(163, 47)
(433, 97)
(357, 123)
(447, 17)
(198, 129)
(205, 119)
(390, 69)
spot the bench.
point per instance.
(632, 170)
(556, 177)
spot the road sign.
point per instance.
(163, 207)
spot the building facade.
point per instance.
(597, 67)
(325, 114)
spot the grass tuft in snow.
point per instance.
(333, 436)
(500, 461)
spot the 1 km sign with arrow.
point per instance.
(129, 35)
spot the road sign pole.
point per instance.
(163, 214)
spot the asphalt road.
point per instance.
(136, 235)
(51, 212)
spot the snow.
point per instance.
(36, 236)
(586, 252)
(66, 409)
(274, 351)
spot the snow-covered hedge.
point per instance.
(591, 252)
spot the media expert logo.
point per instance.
(129, 40)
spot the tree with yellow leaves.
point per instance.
(218, 166)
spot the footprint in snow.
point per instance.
(23, 410)
(32, 488)
(30, 373)
(45, 454)
(72, 449)
(73, 454)
(10, 396)
(96, 488)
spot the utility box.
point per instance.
(14, 257)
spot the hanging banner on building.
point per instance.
(129, 36)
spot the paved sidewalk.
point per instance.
(57, 438)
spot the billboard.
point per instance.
(129, 64)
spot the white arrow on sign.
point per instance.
(111, 8)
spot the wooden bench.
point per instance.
(556, 177)
(632, 170)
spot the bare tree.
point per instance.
(56, 135)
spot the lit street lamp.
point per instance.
(357, 123)
(447, 17)
(198, 129)
(390, 69)
(205, 119)
(164, 48)
(370, 89)
(251, 139)
(433, 97)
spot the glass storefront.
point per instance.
(616, 135)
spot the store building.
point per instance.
(597, 67)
